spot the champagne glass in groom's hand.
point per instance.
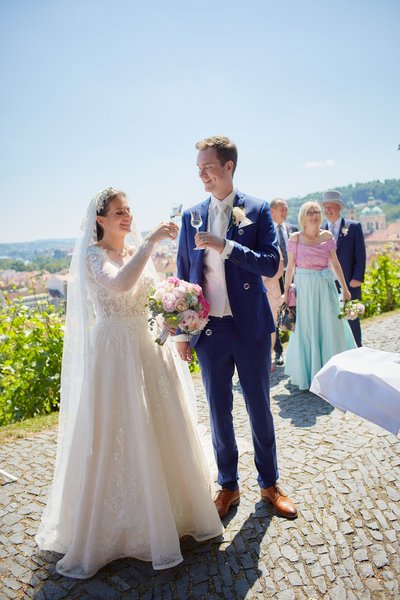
(196, 221)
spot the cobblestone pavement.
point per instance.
(343, 473)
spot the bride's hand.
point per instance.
(171, 330)
(184, 350)
(163, 231)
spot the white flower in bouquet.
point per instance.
(351, 310)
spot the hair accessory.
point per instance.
(102, 197)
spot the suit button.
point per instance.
(240, 232)
(246, 286)
(208, 332)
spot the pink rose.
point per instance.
(180, 305)
(169, 302)
(205, 308)
(196, 289)
(180, 291)
(189, 320)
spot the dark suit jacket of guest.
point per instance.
(289, 228)
(351, 253)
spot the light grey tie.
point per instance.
(332, 229)
(220, 221)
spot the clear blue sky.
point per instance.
(96, 93)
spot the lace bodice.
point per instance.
(312, 256)
(118, 291)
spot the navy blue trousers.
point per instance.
(220, 348)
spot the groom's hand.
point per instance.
(205, 239)
(184, 350)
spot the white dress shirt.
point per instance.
(214, 283)
(334, 228)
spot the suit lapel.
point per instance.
(204, 214)
(238, 201)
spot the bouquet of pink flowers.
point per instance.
(181, 304)
(351, 310)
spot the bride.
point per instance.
(130, 476)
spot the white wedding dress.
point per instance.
(137, 480)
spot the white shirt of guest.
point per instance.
(214, 282)
(334, 228)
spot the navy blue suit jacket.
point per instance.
(255, 253)
(289, 228)
(351, 253)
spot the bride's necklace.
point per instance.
(122, 253)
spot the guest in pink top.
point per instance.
(319, 332)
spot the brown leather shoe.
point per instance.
(284, 506)
(225, 500)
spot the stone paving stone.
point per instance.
(379, 557)
(343, 472)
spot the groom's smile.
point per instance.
(216, 177)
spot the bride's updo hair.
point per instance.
(103, 204)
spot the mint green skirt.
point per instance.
(319, 333)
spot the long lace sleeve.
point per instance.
(112, 276)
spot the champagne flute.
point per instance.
(196, 221)
(176, 212)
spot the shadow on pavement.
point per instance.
(301, 407)
(208, 568)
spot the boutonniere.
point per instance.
(239, 218)
(344, 231)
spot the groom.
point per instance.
(235, 246)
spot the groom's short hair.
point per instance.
(224, 147)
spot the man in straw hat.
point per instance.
(350, 249)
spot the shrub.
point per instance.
(381, 288)
(194, 363)
(31, 340)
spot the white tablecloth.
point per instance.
(364, 381)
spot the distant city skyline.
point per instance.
(99, 93)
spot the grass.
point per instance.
(22, 429)
(380, 317)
